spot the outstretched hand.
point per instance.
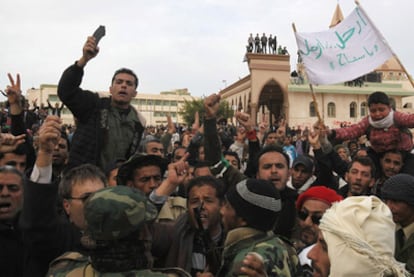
(253, 265)
(313, 138)
(264, 125)
(14, 94)
(13, 91)
(9, 143)
(211, 105)
(244, 120)
(281, 130)
(321, 127)
(89, 51)
(49, 134)
(177, 172)
(170, 125)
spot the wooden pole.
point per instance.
(405, 70)
(311, 89)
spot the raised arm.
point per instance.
(49, 105)
(49, 134)
(80, 102)
(212, 145)
(263, 128)
(39, 220)
(254, 144)
(327, 159)
(14, 95)
(166, 138)
(16, 103)
(35, 106)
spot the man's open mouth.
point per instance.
(5, 207)
(203, 215)
(274, 180)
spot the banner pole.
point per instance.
(311, 89)
(405, 70)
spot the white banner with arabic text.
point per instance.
(345, 52)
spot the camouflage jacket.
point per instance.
(74, 264)
(279, 256)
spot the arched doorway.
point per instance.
(271, 101)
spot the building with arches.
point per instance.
(272, 91)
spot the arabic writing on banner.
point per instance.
(347, 51)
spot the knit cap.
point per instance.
(399, 187)
(257, 202)
(305, 161)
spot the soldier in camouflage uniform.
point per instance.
(251, 210)
(116, 220)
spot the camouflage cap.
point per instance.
(115, 212)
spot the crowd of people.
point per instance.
(114, 196)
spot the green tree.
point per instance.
(191, 107)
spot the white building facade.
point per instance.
(154, 107)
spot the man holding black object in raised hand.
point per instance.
(108, 128)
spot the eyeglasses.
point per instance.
(81, 198)
(303, 215)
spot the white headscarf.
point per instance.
(359, 232)
(386, 122)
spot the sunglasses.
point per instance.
(303, 215)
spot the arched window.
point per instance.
(312, 110)
(352, 110)
(331, 109)
(364, 109)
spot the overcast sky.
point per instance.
(171, 44)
